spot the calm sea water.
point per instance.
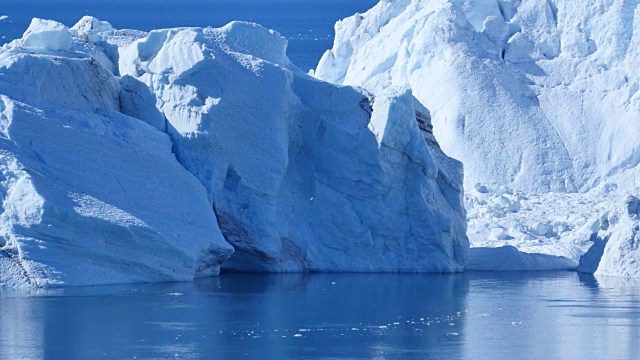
(555, 315)
(307, 24)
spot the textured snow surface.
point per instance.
(538, 99)
(536, 95)
(127, 156)
(303, 175)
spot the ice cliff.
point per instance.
(539, 99)
(89, 195)
(130, 156)
(302, 175)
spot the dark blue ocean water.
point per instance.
(552, 315)
(307, 24)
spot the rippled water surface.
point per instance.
(307, 24)
(556, 315)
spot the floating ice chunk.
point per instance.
(499, 233)
(3, 17)
(481, 188)
(47, 34)
(504, 201)
(633, 206)
(513, 207)
(541, 228)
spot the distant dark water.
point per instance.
(555, 315)
(308, 24)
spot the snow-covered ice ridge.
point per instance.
(538, 98)
(129, 156)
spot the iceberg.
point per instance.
(302, 175)
(538, 99)
(89, 195)
(136, 157)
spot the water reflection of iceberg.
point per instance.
(354, 315)
(21, 328)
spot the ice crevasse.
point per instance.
(539, 99)
(129, 156)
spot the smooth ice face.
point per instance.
(89, 195)
(302, 175)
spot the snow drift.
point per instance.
(539, 100)
(115, 145)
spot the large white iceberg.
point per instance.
(89, 195)
(539, 99)
(302, 175)
(537, 95)
(124, 154)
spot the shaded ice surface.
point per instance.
(89, 195)
(302, 175)
(127, 156)
(539, 100)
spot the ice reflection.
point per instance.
(551, 316)
(373, 316)
(21, 330)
